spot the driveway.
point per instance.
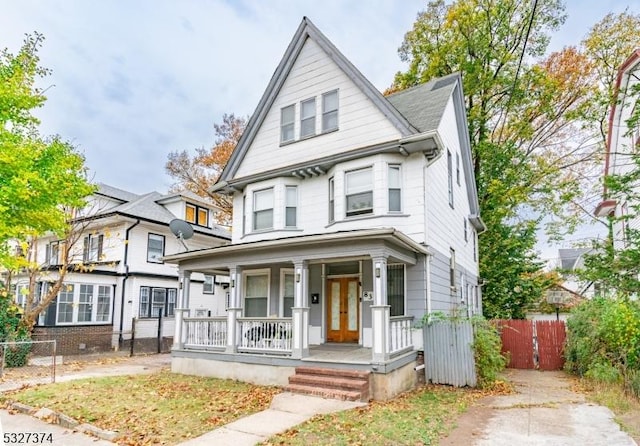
(544, 411)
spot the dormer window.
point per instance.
(196, 215)
(308, 118)
(330, 111)
(359, 192)
(287, 121)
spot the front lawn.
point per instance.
(161, 408)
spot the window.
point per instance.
(359, 192)
(395, 289)
(287, 119)
(395, 191)
(291, 206)
(263, 209)
(65, 304)
(331, 201)
(52, 253)
(208, 286)
(452, 268)
(196, 215)
(104, 303)
(256, 297)
(155, 248)
(287, 292)
(330, 111)
(308, 118)
(458, 169)
(92, 248)
(85, 303)
(244, 214)
(153, 299)
(450, 175)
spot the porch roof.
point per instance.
(263, 248)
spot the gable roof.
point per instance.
(571, 258)
(308, 30)
(145, 207)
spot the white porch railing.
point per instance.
(265, 335)
(400, 334)
(205, 332)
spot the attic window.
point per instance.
(330, 111)
(197, 215)
(287, 120)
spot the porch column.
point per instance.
(380, 311)
(182, 306)
(300, 310)
(235, 308)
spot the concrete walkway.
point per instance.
(544, 411)
(287, 410)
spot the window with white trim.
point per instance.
(395, 189)
(84, 304)
(287, 291)
(359, 192)
(395, 289)
(208, 286)
(65, 304)
(332, 202)
(330, 111)
(92, 251)
(256, 297)
(52, 253)
(291, 206)
(263, 209)
(154, 299)
(287, 123)
(155, 248)
(308, 118)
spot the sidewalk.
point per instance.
(287, 410)
(544, 411)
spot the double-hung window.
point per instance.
(196, 215)
(452, 269)
(65, 304)
(92, 251)
(395, 189)
(153, 300)
(330, 111)
(332, 201)
(291, 206)
(287, 292)
(85, 303)
(104, 303)
(263, 209)
(359, 192)
(450, 177)
(208, 286)
(155, 248)
(287, 121)
(395, 289)
(308, 118)
(256, 297)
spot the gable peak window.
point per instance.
(395, 189)
(287, 121)
(330, 111)
(263, 209)
(359, 191)
(308, 118)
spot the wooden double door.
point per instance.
(343, 310)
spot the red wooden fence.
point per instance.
(533, 344)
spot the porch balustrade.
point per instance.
(265, 335)
(205, 333)
(400, 334)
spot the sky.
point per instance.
(133, 81)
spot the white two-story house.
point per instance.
(117, 273)
(354, 216)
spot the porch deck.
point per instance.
(339, 353)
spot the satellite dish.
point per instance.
(182, 230)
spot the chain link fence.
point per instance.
(27, 362)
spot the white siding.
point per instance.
(313, 73)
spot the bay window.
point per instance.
(359, 192)
(395, 189)
(291, 210)
(263, 209)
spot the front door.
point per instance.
(343, 310)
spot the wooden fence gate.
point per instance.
(533, 344)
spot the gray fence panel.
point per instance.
(448, 354)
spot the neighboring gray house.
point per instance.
(354, 216)
(121, 274)
(572, 260)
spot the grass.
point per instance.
(161, 408)
(421, 416)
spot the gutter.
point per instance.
(124, 281)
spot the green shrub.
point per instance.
(11, 330)
(606, 373)
(487, 347)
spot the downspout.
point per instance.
(124, 281)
